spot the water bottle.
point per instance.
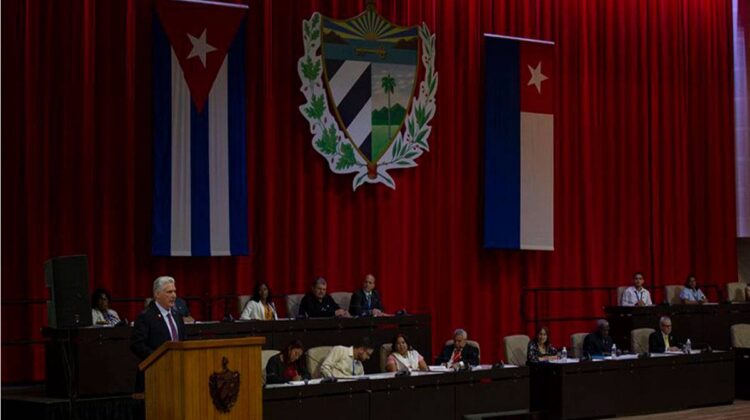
(564, 354)
(614, 351)
(688, 346)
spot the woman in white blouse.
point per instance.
(260, 305)
(403, 357)
(100, 312)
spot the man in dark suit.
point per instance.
(598, 343)
(160, 322)
(366, 301)
(458, 351)
(663, 340)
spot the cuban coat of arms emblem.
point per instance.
(359, 77)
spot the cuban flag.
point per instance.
(519, 148)
(200, 161)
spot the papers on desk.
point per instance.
(440, 368)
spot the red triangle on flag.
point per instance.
(201, 33)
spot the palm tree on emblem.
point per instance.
(388, 83)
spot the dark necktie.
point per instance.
(172, 328)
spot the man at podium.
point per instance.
(159, 323)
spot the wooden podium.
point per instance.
(205, 379)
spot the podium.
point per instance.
(205, 379)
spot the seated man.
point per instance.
(691, 294)
(598, 343)
(345, 361)
(182, 309)
(366, 301)
(458, 351)
(318, 304)
(636, 295)
(663, 340)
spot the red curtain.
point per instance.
(644, 164)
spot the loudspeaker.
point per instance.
(68, 281)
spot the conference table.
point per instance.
(94, 361)
(629, 385)
(703, 324)
(423, 395)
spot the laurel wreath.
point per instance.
(330, 141)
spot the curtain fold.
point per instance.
(644, 164)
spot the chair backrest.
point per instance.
(241, 302)
(639, 340)
(740, 335)
(471, 343)
(264, 357)
(736, 292)
(315, 358)
(342, 299)
(576, 344)
(672, 294)
(292, 304)
(620, 292)
(385, 351)
(515, 348)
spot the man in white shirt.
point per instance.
(636, 295)
(344, 361)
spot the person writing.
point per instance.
(636, 295)
(691, 294)
(403, 357)
(458, 351)
(540, 349)
(289, 365)
(344, 361)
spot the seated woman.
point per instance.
(100, 312)
(540, 349)
(403, 357)
(691, 294)
(289, 365)
(260, 305)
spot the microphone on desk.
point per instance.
(499, 365)
(401, 373)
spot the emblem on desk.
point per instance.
(359, 77)
(224, 387)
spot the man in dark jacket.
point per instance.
(319, 304)
(663, 340)
(366, 301)
(598, 343)
(459, 351)
(159, 323)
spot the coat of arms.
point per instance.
(359, 77)
(224, 387)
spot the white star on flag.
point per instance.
(200, 47)
(536, 77)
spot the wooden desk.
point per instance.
(98, 361)
(702, 324)
(633, 386)
(446, 396)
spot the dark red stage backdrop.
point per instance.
(644, 163)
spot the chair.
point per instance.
(740, 335)
(147, 302)
(315, 358)
(471, 343)
(736, 292)
(620, 292)
(672, 294)
(576, 344)
(241, 302)
(639, 340)
(342, 299)
(385, 351)
(516, 347)
(264, 357)
(292, 304)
